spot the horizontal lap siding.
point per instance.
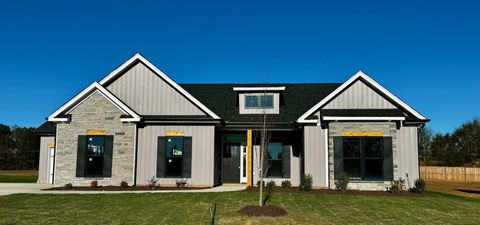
(202, 153)
(148, 94)
(314, 151)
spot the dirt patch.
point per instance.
(118, 188)
(267, 210)
(348, 192)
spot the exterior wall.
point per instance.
(389, 130)
(408, 155)
(95, 112)
(148, 94)
(359, 96)
(44, 158)
(294, 168)
(274, 110)
(314, 151)
(203, 141)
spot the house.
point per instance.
(137, 123)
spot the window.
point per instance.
(259, 101)
(94, 154)
(363, 157)
(174, 157)
(275, 160)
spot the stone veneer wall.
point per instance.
(95, 112)
(388, 128)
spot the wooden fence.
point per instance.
(463, 174)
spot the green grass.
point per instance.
(18, 176)
(194, 208)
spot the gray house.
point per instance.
(137, 123)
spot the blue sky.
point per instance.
(427, 53)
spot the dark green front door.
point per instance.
(231, 163)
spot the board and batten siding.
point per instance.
(359, 96)
(44, 158)
(408, 154)
(148, 94)
(203, 140)
(314, 151)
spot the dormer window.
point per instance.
(262, 101)
(259, 100)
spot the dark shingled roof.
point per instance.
(46, 128)
(294, 101)
(362, 112)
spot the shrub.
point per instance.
(124, 184)
(420, 185)
(306, 182)
(258, 183)
(341, 182)
(270, 186)
(396, 186)
(94, 184)
(286, 184)
(152, 183)
(68, 186)
(182, 183)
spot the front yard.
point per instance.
(194, 208)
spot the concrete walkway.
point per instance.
(26, 188)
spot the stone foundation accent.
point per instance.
(388, 128)
(97, 113)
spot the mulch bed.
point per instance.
(348, 192)
(118, 188)
(266, 210)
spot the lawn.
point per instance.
(194, 208)
(18, 176)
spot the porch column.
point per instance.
(249, 158)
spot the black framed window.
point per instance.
(274, 151)
(95, 156)
(363, 157)
(259, 101)
(174, 157)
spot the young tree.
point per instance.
(264, 135)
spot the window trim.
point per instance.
(363, 158)
(259, 101)
(281, 161)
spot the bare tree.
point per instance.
(264, 134)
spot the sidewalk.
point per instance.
(31, 188)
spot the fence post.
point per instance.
(445, 173)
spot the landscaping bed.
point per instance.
(119, 188)
(335, 192)
(266, 210)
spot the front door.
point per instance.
(231, 162)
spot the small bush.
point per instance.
(286, 184)
(341, 182)
(258, 183)
(182, 183)
(270, 186)
(396, 186)
(94, 184)
(68, 186)
(152, 183)
(124, 184)
(306, 182)
(419, 187)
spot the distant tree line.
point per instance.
(19, 148)
(459, 148)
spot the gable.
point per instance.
(359, 96)
(148, 94)
(96, 105)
